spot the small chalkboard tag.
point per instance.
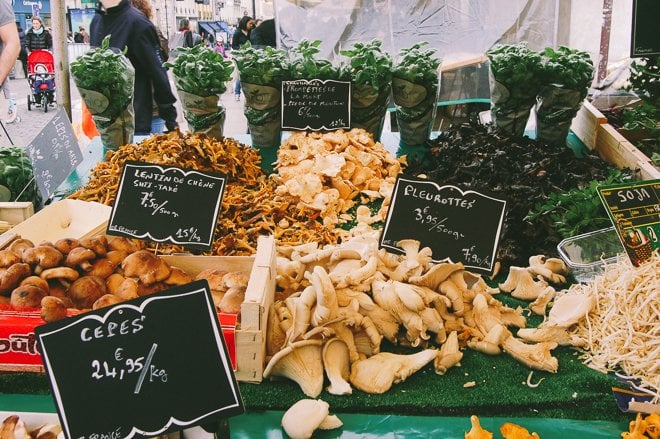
(167, 204)
(460, 226)
(54, 153)
(634, 208)
(141, 368)
(315, 104)
(644, 41)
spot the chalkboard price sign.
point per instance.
(634, 208)
(315, 104)
(645, 41)
(167, 204)
(54, 153)
(461, 226)
(141, 368)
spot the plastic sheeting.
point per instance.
(458, 29)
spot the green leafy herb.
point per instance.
(578, 210)
(306, 65)
(570, 68)
(108, 72)
(201, 71)
(265, 66)
(645, 79)
(369, 64)
(16, 176)
(516, 67)
(417, 65)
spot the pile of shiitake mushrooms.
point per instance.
(93, 272)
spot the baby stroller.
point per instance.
(41, 77)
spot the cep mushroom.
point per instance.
(27, 296)
(42, 257)
(86, 290)
(12, 276)
(8, 258)
(65, 245)
(148, 267)
(64, 275)
(98, 244)
(53, 309)
(18, 246)
(80, 257)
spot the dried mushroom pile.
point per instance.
(337, 303)
(250, 206)
(517, 169)
(95, 272)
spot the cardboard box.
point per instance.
(259, 296)
(64, 219)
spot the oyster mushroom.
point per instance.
(536, 356)
(437, 274)
(551, 269)
(306, 416)
(521, 284)
(146, 266)
(569, 309)
(326, 297)
(539, 305)
(555, 334)
(449, 355)
(301, 362)
(377, 374)
(336, 362)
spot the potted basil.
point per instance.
(565, 75)
(415, 86)
(105, 79)
(200, 76)
(262, 72)
(304, 63)
(513, 77)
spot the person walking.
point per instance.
(130, 29)
(22, 56)
(10, 47)
(38, 37)
(241, 36)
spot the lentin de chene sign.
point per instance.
(167, 204)
(141, 368)
(460, 226)
(315, 104)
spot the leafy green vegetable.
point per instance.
(578, 210)
(369, 64)
(201, 71)
(265, 66)
(105, 71)
(306, 65)
(645, 79)
(417, 65)
(570, 68)
(17, 177)
(516, 67)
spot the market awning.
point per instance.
(213, 27)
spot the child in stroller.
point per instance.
(41, 77)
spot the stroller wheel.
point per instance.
(29, 102)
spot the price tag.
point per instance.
(141, 368)
(460, 226)
(634, 208)
(644, 41)
(315, 104)
(54, 153)
(167, 204)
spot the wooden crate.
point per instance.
(586, 122)
(16, 212)
(259, 296)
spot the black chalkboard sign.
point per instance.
(54, 153)
(645, 40)
(634, 208)
(141, 368)
(315, 104)
(167, 204)
(461, 226)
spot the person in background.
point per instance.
(130, 29)
(23, 53)
(38, 37)
(84, 34)
(184, 27)
(264, 34)
(220, 47)
(144, 6)
(10, 47)
(241, 36)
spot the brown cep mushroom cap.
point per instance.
(53, 309)
(125, 244)
(64, 275)
(103, 268)
(37, 282)
(27, 296)
(99, 244)
(12, 276)
(19, 245)
(148, 267)
(65, 245)
(86, 290)
(42, 257)
(178, 277)
(8, 258)
(80, 257)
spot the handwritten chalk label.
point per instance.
(634, 208)
(54, 153)
(460, 226)
(141, 368)
(315, 104)
(644, 41)
(167, 204)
